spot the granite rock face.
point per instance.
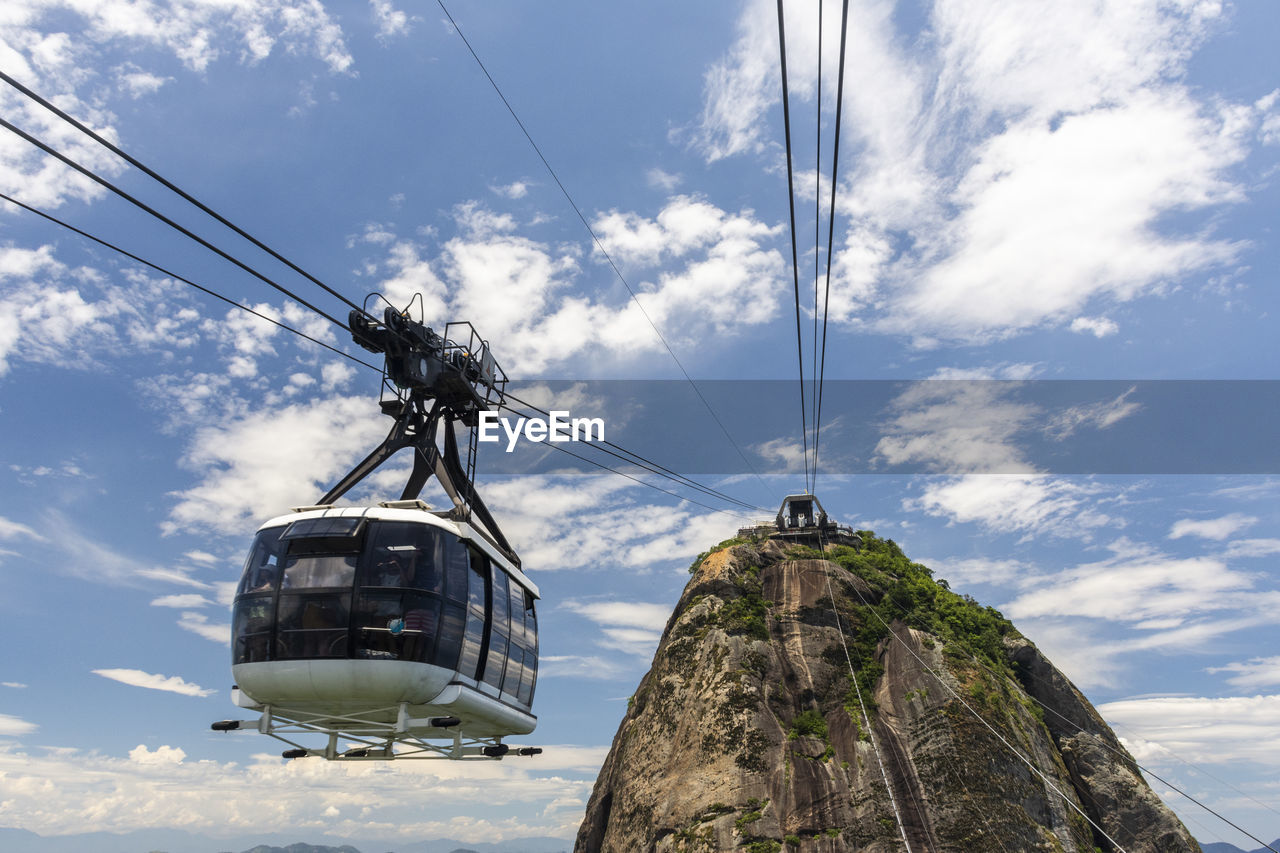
(840, 701)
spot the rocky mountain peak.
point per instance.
(844, 700)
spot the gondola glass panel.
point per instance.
(262, 566)
(312, 625)
(499, 628)
(252, 622)
(477, 568)
(523, 600)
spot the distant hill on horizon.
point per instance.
(1223, 847)
(14, 840)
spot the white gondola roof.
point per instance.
(416, 512)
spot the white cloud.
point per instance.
(958, 426)
(1135, 583)
(1003, 370)
(1033, 505)
(783, 455)
(1097, 415)
(162, 786)
(55, 314)
(138, 678)
(199, 624)
(961, 573)
(1211, 528)
(77, 555)
(630, 627)
(630, 614)
(55, 48)
(580, 666)
(13, 530)
(1016, 169)
(391, 21)
(162, 755)
(258, 465)
(737, 88)
(337, 375)
(579, 520)
(1252, 674)
(1253, 548)
(11, 726)
(662, 180)
(513, 190)
(186, 601)
(713, 272)
(1099, 327)
(1201, 730)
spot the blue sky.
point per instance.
(1037, 191)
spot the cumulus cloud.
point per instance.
(957, 426)
(513, 190)
(782, 455)
(1135, 583)
(138, 678)
(696, 269)
(56, 47)
(1092, 617)
(1252, 674)
(391, 21)
(199, 624)
(160, 786)
(258, 465)
(186, 601)
(575, 521)
(11, 726)
(662, 180)
(1201, 730)
(1099, 327)
(73, 317)
(627, 626)
(1211, 528)
(1253, 548)
(960, 424)
(1031, 505)
(961, 573)
(1016, 169)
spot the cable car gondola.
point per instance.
(394, 631)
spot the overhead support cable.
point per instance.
(817, 433)
(909, 615)
(866, 719)
(114, 149)
(652, 467)
(642, 482)
(636, 459)
(598, 243)
(817, 256)
(96, 178)
(831, 225)
(113, 247)
(631, 458)
(1017, 753)
(795, 263)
